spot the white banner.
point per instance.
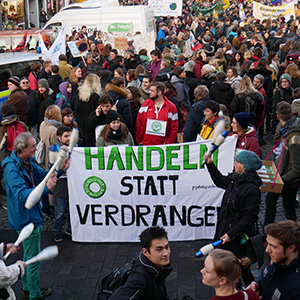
(262, 12)
(166, 8)
(117, 192)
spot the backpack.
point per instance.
(250, 104)
(40, 152)
(65, 102)
(117, 278)
(13, 130)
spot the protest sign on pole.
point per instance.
(116, 192)
(262, 12)
(78, 48)
(166, 8)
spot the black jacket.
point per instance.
(132, 63)
(54, 82)
(144, 282)
(222, 93)
(192, 81)
(240, 205)
(32, 116)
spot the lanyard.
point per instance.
(157, 110)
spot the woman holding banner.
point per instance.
(240, 204)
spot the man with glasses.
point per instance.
(18, 99)
(289, 168)
(32, 106)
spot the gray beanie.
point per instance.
(44, 83)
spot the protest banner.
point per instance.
(121, 43)
(262, 12)
(3, 96)
(166, 8)
(218, 7)
(116, 192)
(78, 48)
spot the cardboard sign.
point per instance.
(78, 48)
(121, 43)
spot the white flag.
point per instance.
(242, 13)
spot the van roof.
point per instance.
(15, 57)
(92, 4)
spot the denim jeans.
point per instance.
(60, 205)
(31, 279)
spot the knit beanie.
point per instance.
(44, 83)
(14, 80)
(112, 116)
(287, 77)
(250, 159)
(213, 106)
(244, 119)
(177, 71)
(189, 66)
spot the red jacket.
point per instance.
(167, 113)
(33, 82)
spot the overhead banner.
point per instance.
(166, 8)
(218, 7)
(262, 12)
(117, 192)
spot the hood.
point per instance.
(251, 132)
(222, 86)
(116, 91)
(106, 77)
(15, 159)
(175, 79)
(233, 79)
(63, 89)
(9, 119)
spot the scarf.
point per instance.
(287, 125)
(115, 135)
(52, 122)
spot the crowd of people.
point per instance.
(243, 72)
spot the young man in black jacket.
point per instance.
(150, 269)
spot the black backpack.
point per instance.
(250, 104)
(117, 278)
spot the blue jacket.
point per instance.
(18, 187)
(280, 282)
(161, 34)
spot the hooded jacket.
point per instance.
(182, 91)
(168, 113)
(222, 93)
(119, 96)
(18, 187)
(192, 81)
(154, 68)
(248, 141)
(278, 279)
(234, 82)
(43, 104)
(54, 82)
(133, 62)
(19, 100)
(240, 205)
(63, 96)
(145, 281)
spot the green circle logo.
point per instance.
(156, 126)
(87, 187)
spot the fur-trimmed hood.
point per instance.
(113, 88)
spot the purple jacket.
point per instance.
(154, 68)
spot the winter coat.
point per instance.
(207, 80)
(167, 113)
(135, 83)
(92, 122)
(182, 91)
(238, 296)
(234, 82)
(18, 187)
(222, 93)
(290, 164)
(64, 69)
(133, 62)
(248, 141)
(63, 98)
(127, 141)
(82, 111)
(33, 81)
(172, 96)
(279, 279)
(295, 82)
(54, 82)
(43, 104)
(193, 121)
(32, 115)
(161, 35)
(283, 95)
(239, 210)
(119, 97)
(154, 68)
(19, 100)
(145, 282)
(192, 81)
(44, 74)
(93, 68)
(197, 67)
(207, 128)
(145, 94)
(239, 104)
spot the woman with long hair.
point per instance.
(132, 79)
(293, 71)
(246, 66)
(114, 132)
(200, 58)
(240, 203)
(86, 101)
(273, 65)
(237, 61)
(233, 78)
(247, 99)
(74, 79)
(154, 65)
(48, 129)
(222, 271)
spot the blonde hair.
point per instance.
(53, 112)
(246, 87)
(90, 85)
(72, 77)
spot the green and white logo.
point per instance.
(94, 180)
(156, 126)
(120, 27)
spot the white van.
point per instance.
(135, 23)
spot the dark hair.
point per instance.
(271, 55)
(115, 51)
(296, 93)
(262, 63)
(118, 59)
(35, 66)
(156, 53)
(159, 86)
(66, 111)
(105, 99)
(135, 92)
(131, 75)
(142, 52)
(105, 131)
(62, 57)
(149, 76)
(120, 71)
(55, 68)
(284, 110)
(83, 26)
(7, 110)
(62, 129)
(234, 71)
(257, 52)
(118, 81)
(150, 234)
(287, 232)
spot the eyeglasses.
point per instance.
(25, 82)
